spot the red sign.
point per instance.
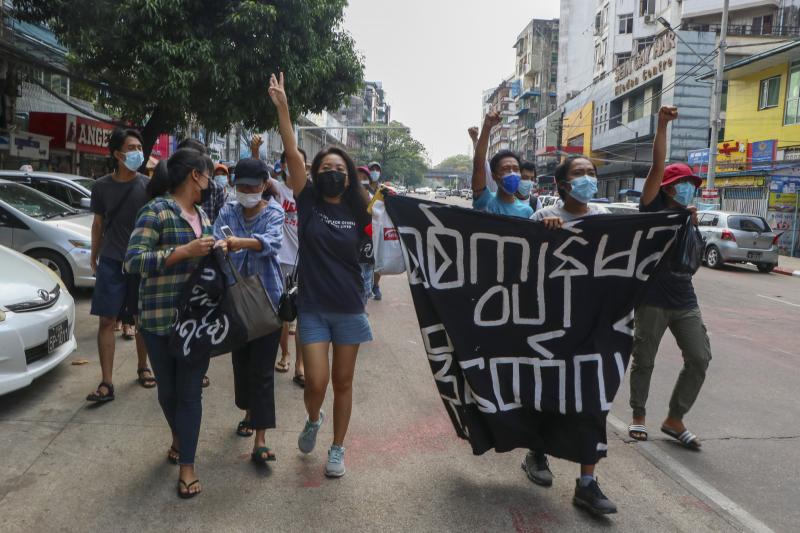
(71, 132)
(93, 136)
(390, 234)
(710, 194)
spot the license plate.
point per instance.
(754, 255)
(57, 335)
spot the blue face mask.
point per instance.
(375, 175)
(134, 160)
(583, 188)
(221, 180)
(525, 187)
(684, 192)
(510, 183)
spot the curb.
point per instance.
(787, 272)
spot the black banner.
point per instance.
(528, 331)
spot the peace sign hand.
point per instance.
(277, 91)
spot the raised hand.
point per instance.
(277, 92)
(473, 133)
(667, 114)
(255, 144)
(492, 119)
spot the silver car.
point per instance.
(738, 238)
(75, 191)
(47, 230)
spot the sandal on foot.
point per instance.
(188, 494)
(128, 332)
(687, 438)
(173, 455)
(258, 455)
(244, 429)
(148, 382)
(206, 382)
(99, 396)
(637, 432)
(300, 380)
(282, 366)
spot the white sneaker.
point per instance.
(308, 437)
(335, 465)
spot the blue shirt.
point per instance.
(267, 227)
(489, 201)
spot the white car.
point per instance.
(37, 320)
(441, 192)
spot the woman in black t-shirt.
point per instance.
(332, 215)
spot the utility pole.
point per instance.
(715, 110)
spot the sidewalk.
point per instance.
(789, 266)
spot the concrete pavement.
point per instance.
(789, 266)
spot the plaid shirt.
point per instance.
(268, 229)
(159, 230)
(217, 197)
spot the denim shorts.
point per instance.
(338, 328)
(114, 290)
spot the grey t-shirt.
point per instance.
(558, 210)
(118, 203)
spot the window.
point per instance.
(748, 223)
(709, 220)
(768, 93)
(626, 24)
(647, 7)
(635, 106)
(792, 115)
(762, 25)
(621, 58)
(641, 44)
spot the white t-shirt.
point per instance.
(288, 252)
(558, 210)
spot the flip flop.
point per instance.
(146, 382)
(687, 438)
(173, 455)
(282, 366)
(300, 380)
(186, 495)
(244, 429)
(637, 428)
(258, 455)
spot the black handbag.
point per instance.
(251, 303)
(689, 248)
(287, 308)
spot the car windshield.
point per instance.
(85, 182)
(748, 223)
(32, 202)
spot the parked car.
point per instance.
(466, 193)
(47, 230)
(455, 192)
(738, 238)
(37, 320)
(441, 192)
(401, 190)
(424, 190)
(75, 191)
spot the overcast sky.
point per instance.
(435, 58)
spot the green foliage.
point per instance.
(460, 162)
(402, 158)
(207, 59)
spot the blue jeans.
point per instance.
(180, 386)
(338, 328)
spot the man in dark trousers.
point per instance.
(116, 199)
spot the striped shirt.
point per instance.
(160, 229)
(267, 227)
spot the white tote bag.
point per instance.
(386, 242)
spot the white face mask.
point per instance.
(248, 200)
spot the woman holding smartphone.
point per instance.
(332, 216)
(252, 227)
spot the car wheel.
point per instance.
(766, 268)
(713, 257)
(57, 264)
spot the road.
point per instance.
(72, 467)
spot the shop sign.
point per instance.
(732, 156)
(70, 132)
(93, 136)
(29, 146)
(650, 62)
(761, 154)
(783, 192)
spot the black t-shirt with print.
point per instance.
(667, 289)
(329, 273)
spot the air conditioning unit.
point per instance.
(649, 19)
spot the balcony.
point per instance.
(702, 8)
(748, 30)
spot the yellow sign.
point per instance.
(738, 181)
(732, 156)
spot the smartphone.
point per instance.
(226, 230)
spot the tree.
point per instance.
(208, 60)
(402, 157)
(460, 162)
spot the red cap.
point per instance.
(678, 171)
(363, 169)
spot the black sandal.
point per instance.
(186, 495)
(300, 380)
(173, 455)
(244, 429)
(99, 397)
(146, 382)
(258, 455)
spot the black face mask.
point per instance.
(330, 183)
(205, 194)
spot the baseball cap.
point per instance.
(363, 169)
(676, 172)
(220, 166)
(250, 172)
(375, 164)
